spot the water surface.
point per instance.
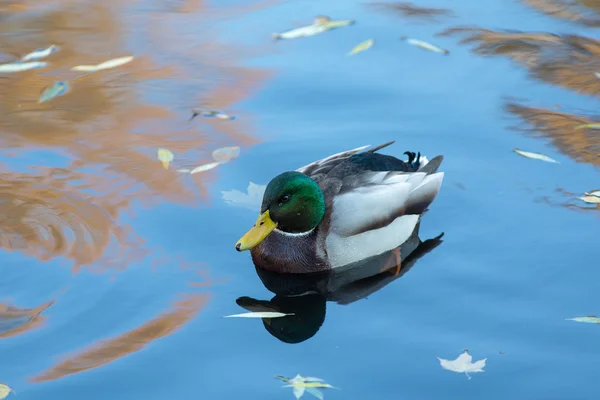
(118, 271)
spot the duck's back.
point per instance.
(364, 162)
(356, 161)
(373, 201)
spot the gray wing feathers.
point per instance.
(432, 166)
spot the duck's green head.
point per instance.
(292, 203)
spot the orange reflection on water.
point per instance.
(14, 320)
(45, 215)
(411, 10)
(106, 127)
(570, 61)
(585, 12)
(106, 351)
(582, 145)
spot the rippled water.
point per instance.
(117, 272)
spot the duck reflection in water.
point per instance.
(305, 295)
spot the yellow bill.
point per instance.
(259, 231)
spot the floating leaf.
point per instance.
(590, 199)
(5, 390)
(367, 44)
(22, 66)
(320, 24)
(57, 89)
(597, 75)
(115, 62)
(592, 319)
(535, 156)
(165, 156)
(264, 314)
(205, 167)
(595, 125)
(595, 192)
(40, 53)
(298, 391)
(85, 68)
(309, 384)
(424, 45)
(320, 385)
(112, 63)
(304, 31)
(251, 201)
(314, 392)
(211, 114)
(333, 24)
(225, 154)
(299, 378)
(463, 364)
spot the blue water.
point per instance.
(509, 272)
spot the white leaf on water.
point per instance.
(587, 320)
(251, 200)
(424, 45)
(85, 68)
(115, 62)
(5, 390)
(593, 193)
(23, 66)
(535, 156)
(265, 314)
(463, 364)
(40, 53)
(112, 63)
(590, 199)
(205, 167)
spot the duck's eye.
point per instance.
(284, 199)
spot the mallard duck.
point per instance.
(340, 210)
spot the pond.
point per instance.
(118, 270)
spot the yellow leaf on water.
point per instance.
(588, 126)
(165, 156)
(301, 384)
(225, 154)
(5, 390)
(367, 44)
